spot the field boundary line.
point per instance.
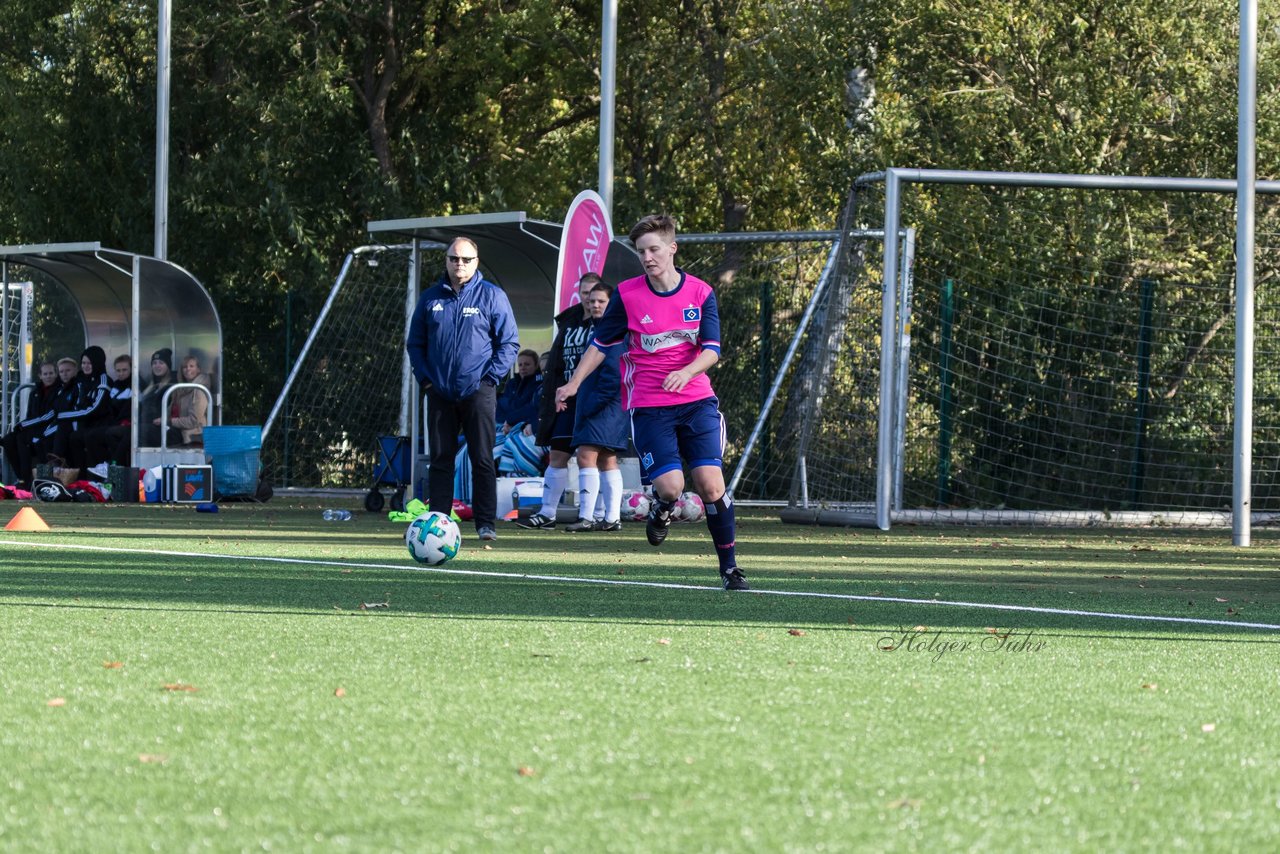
(662, 585)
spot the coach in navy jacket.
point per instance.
(462, 342)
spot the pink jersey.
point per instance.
(663, 332)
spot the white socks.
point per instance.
(592, 484)
(611, 494)
(553, 482)
(588, 486)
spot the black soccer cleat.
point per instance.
(602, 525)
(656, 527)
(734, 580)
(537, 522)
(580, 526)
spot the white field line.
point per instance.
(571, 579)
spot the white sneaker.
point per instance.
(100, 470)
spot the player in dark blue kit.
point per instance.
(555, 428)
(600, 432)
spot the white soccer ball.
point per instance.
(433, 538)
(690, 508)
(635, 506)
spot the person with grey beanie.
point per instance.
(153, 398)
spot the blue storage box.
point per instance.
(233, 451)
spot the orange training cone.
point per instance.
(27, 520)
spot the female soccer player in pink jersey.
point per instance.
(670, 326)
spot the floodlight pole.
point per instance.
(608, 62)
(1246, 162)
(162, 132)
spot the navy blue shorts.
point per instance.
(564, 424)
(665, 436)
(605, 427)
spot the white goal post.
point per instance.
(895, 182)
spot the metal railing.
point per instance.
(14, 408)
(164, 409)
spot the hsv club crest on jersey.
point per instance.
(662, 332)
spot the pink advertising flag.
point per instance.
(583, 246)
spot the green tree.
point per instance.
(1050, 281)
(294, 124)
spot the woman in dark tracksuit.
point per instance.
(20, 443)
(600, 430)
(555, 429)
(92, 408)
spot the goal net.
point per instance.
(1064, 356)
(764, 283)
(346, 386)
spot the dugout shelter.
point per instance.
(63, 297)
(516, 253)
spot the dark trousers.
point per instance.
(149, 436)
(107, 445)
(67, 449)
(475, 418)
(18, 448)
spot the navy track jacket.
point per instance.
(456, 341)
(518, 403)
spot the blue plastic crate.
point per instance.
(233, 452)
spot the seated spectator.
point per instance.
(189, 407)
(19, 443)
(90, 408)
(64, 400)
(110, 443)
(516, 451)
(153, 398)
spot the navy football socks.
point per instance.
(720, 522)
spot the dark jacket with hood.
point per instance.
(92, 404)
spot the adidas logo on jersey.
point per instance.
(435, 306)
(646, 319)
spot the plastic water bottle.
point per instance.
(337, 515)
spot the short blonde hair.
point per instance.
(659, 224)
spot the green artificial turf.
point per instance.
(155, 698)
